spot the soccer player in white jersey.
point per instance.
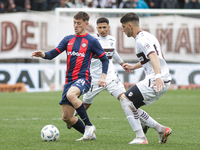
(147, 91)
(114, 85)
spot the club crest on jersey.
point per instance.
(111, 44)
(130, 94)
(84, 45)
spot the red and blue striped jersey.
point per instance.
(80, 50)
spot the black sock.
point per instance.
(79, 126)
(83, 115)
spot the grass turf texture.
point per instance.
(23, 115)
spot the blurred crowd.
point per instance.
(47, 5)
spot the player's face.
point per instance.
(80, 26)
(127, 29)
(103, 29)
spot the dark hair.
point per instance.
(129, 17)
(102, 20)
(82, 15)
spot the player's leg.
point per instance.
(68, 110)
(72, 95)
(147, 120)
(91, 94)
(130, 100)
(88, 98)
(69, 118)
(116, 88)
(149, 98)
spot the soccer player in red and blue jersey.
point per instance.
(79, 48)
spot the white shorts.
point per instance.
(149, 94)
(115, 88)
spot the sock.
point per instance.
(149, 121)
(79, 126)
(83, 115)
(132, 116)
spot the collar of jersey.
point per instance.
(81, 35)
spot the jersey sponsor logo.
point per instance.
(76, 54)
(70, 43)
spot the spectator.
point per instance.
(192, 4)
(79, 3)
(118, 3)
(60, 4)
(105, 3)
(51, 3)
(97, 3)
(181, 3)
(150, 3)
(19, 5)
(170, 4)
(1, 6)
(38, 5)
(137, 4)
(158, 3)
(70, 3)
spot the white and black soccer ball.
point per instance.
(49, 133)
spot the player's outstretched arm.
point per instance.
(38, 54)
(156, 66)
(129, 68)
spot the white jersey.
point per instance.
(146, 43)
(108, 44)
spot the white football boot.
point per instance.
(139, 140)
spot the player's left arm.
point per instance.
(117, 58)
(105, 62)
(156, 66)
(104, 59)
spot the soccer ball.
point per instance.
(49, 133)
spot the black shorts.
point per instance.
(134, 95)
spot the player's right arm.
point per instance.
(46, 55)
(54, 52)
(38, 54)
(129, 68)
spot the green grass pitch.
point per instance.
(23, 115)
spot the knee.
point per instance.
(66, 119)
(70, 96)
(120, 95)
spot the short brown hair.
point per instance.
(129, 17)
(82, 15)
(102, 20)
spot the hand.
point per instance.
(38, 54)
(159, 84)
(127, 67)
(102, 82)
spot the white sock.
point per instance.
(132, 116)
(149, 121)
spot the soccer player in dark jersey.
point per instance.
(79, 47)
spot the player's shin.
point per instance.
(149, 121)
(132, 116)
(83, 115)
